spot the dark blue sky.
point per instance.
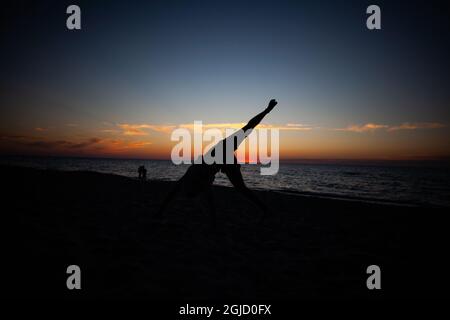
(179, 61)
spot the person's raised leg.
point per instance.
(236, 138)
(258, 118)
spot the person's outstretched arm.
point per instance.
(257, 119)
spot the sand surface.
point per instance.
(307, 248)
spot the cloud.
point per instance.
(138, 144)
(415, 126)
(44, 144)
(363, 128)
(214, 125)
(161, 128)
(35, 142)
(41, 129)
(122, 145)
(13, 137)
(238, 125)
(132, 130)
(92, 145)
(404, 126)
(84, 144)
(296, 125)
(291, 127)
(139, 129)
(142, 129)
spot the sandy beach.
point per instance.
(307, 248)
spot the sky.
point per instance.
(139, 69)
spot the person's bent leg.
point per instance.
(235, 176)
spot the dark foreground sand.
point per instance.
(307, 248)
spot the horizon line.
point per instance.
(285, 160)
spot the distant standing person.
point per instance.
(142, 173)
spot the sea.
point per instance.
(395, 182)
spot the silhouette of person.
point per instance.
(142, 173)
(200, 177)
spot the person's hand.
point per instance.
(271, 105)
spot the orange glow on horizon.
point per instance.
(297, 141)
